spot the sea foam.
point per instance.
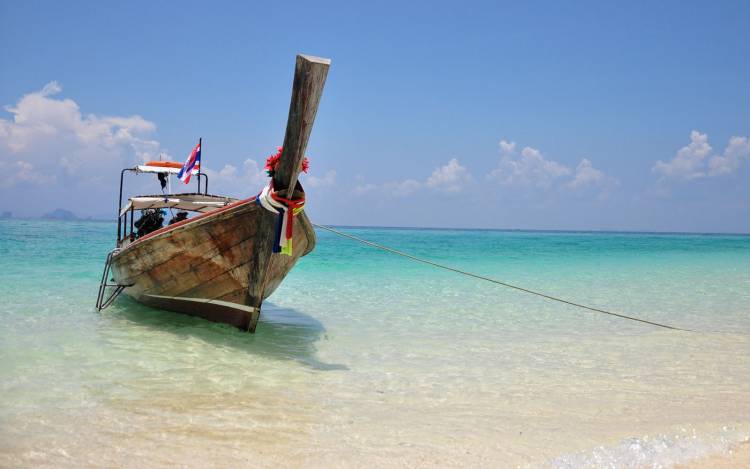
(659, 451)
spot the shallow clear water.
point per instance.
(363, 358)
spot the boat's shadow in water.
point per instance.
(285, 334)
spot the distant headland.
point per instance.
(60, 214)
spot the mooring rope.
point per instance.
(498, 282)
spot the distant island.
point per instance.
(6, 215)
(60, 214)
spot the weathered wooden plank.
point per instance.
(309, 78)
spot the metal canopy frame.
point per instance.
(122, 219)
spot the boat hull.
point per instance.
(203, 266)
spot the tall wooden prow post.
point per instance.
(309, 77)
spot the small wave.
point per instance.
(656, 452)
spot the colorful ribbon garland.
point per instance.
(286, 209)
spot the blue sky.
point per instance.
(542, 115)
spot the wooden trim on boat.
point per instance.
(234, 314)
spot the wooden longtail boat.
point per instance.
(219, 264)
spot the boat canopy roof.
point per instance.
(171, 167)
(191, 202)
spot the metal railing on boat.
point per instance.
(101, 302)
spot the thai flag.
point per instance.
(193, 162)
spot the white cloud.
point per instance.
(586, 176)
(51, 88)
(695, 161)
(328, 180)
(402, 188)
(451, 177)
(365, 188)
(507, 148)
(529, 168)
(689, 163)
(24, 172)
(734, 155)
(233, 181)
(47, 136)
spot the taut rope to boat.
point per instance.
(498, 282)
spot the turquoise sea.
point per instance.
(363, 358)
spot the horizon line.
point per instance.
(437, 228)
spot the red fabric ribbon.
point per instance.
(291, 205)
